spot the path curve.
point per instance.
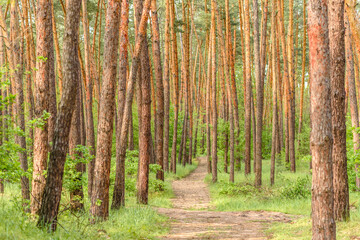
(191, 217)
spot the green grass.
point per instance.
(301, 228)
(132, 222)
(243, 195)
(290, 195)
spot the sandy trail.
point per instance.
(192, 218)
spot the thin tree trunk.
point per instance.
(159, 91)
(303, 62)
(166, 87)
(259, 96)
(194, 152)
(339, 158)
(90, 135)
(131, 146)
(352, 93)
(287, 93)
(208, 110)
(52, 86)
(253, 124)
(175, 76)
(231, 58)
(19, 98)
(291, 86)
(145, 130)
(101, 181)
(213, 97)
(230, 102)
(354, 22)
(248, 90)
(57, 49)
(76, 194)
(183, 138)
(29, 76)
(119, 186)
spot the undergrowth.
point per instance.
(131, 222)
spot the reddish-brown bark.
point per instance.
(303, 62)
(274, 94)
(145, 149)
(119, 187)
(17, 84)
(339, 158)
(323, 222)
(259, 96)
(141, 34)
(41, 92)
(76, 194)
(175, 77)
(89, 79)
(52, 193)
(101, 181)
(166, 86)
(213, 95)
(29, 75)
(159, 90)
(248, 89)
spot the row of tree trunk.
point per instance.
(206, 86)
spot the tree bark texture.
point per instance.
(323, 222)
(52, 193)
(101, 182)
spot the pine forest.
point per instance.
(179, 119)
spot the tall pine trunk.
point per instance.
(248, 87)
(259, 96)
(119, 188)
(213, 95)
(41, 92)
(141, 34)
(166, 87)
(19, 95)
(101, 181)
(323, 222)
(350, 76)
(339, 158)
(159, 91)
(52, 193)
(90, 135)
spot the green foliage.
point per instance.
(353, 156)
(233, 189)
(132, 222)
(41, 59)
(39, 122)
(353, 162)
(300, 228)
(301, 188)
(10, 169)
(72, 177)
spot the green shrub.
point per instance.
(301, 188)
(232, 189)
(73, 178)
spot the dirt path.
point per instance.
(192, 219)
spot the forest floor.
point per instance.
(193, 216)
